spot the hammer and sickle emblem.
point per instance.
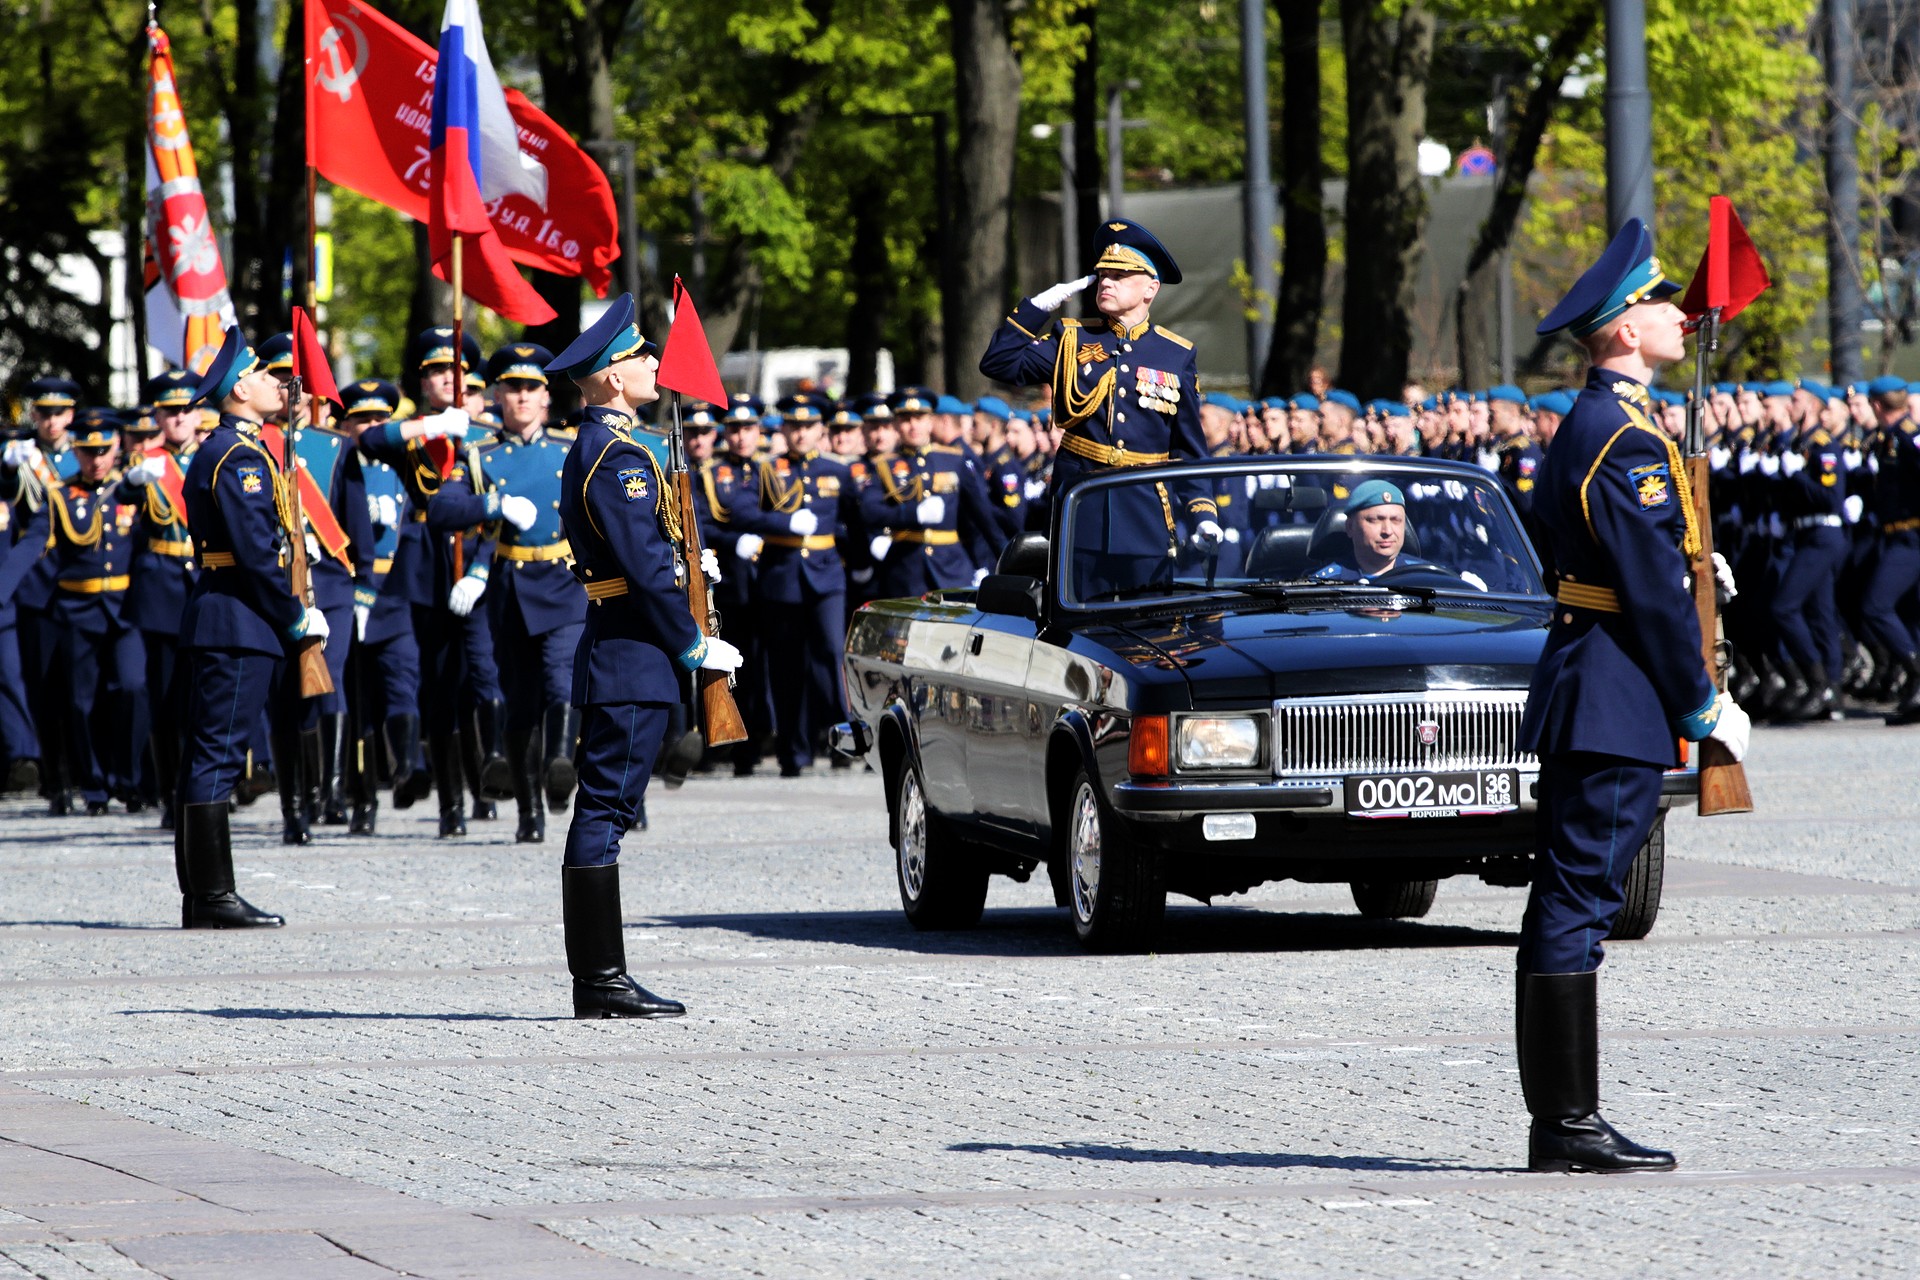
(335, 77)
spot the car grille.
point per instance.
(1380, 733)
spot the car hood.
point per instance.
(1278, 653)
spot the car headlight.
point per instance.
(1218, 742)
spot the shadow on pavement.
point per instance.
(1228, 1159)
(1046, 932)
(296, 1015)
(89, 924)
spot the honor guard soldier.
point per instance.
(795, 507)
(1813, 504)
(1889, 592)
(1620, 678)
(639, 643)
(240, 621)
(734, 466)
(931, 499)
(534, 604)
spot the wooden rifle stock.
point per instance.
(309, 655)
(720, 713)
(1723, 780)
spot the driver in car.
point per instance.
(1377, 527)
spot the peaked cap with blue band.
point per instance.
(97, 428)
(172, 389)
(370, 395)
(1626, 273)
(1128, 246)
(612, 338)
(524, 361)
(53, 393)
(235, 361)
(435, 346)
(743, 407)
(912, 400)
(276, 352)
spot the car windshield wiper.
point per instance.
(1287, 589)
(1163, 588)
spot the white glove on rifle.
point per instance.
(518, 511)
(1051, 299)
(448, 425)
(1718, 457)
(1723, 574)
(1733, 728)
(930, 511)
(879, 547)
(312, 626)
(1770, 465)
(721, 656)
(384, 510)
(19, 453)
(465, 594)
(1856, 507)
(748, 546)
(710, 565)
(361, 614)
(146, 471)
(803, 523)
(1793, 464)
(1207, 535)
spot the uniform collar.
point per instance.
(245, 426)
(1130, 334)
(607, 416)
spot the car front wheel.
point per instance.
(1116, 889)
(942, 885)
(1394, 899)
(1641, 893)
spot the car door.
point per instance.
(1003, 744)
(933, 664)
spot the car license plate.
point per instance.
(1432, 795)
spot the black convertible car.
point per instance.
(1327, 691)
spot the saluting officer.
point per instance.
(639, 642)
(239, 620)
(1620, 678)
(931, 498)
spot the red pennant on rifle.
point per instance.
(310, 361)
(686, 362)
(1731, 272)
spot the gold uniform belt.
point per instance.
(812, 542)
(95, 586)
(931, 537)
(417, 517)
(1581, 596)
(1900, 526)
(598, 591)
(383, 564)
(1105, 454)
(217, 560)
(170, 546)
(512, 551)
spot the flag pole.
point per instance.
(459, 341)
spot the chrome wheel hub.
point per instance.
(1084, 851)
(912, 848)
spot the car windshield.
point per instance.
(1318, 528)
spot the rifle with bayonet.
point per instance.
(720, 714)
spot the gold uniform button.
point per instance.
(1567, 618)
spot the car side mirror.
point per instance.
(1013, 595)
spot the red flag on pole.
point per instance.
(309, 361)
(686, 361)
(1731, 272)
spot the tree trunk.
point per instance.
(255, 287)
(431, 303)
(1387, 66)
(1519, 149)
(873, 290)
(1303, 261)
(987, 109)
(284, 228)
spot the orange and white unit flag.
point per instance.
(188, 306)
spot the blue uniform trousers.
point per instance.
(391, 668)
(226, 691)
(476, 654)
(1895, 572)
(536, 672)
(618, 744)
(106, 708)
(439, 639)
(1595, 813)
(1803, 605)
(339, 640)
(167, 696)
(804, 667)
(17, 739)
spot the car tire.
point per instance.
(943, 884)
(1641, 893)
(1394, 899)
(1116, 888)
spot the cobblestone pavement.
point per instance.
(389, 1086)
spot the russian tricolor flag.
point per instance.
(477, 158)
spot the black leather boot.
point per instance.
(333, 768)
(362, 784)
(523, 750)
(255, 781)
(1794, 691)
(496, 772)
(411, 783)
(562, 734)
(446, 782)
(471, 768)
(310, 775)
(287, 773)
(597, 953)
(1559, 1037)
(1908, 712)
(205, 864)
(1821, 698)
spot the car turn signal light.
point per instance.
(1147, 747)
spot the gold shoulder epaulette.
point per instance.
(1068, 322)
(944, 448)
(1171, 336)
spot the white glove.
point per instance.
(1770, 465)
(19, 453)
(1723, 574)
(930, 511)
(1034, 490)
(386, 512)
(1233, 536)
(1733, 728)
(803, 523)
(361, 613)
(1856, 507)
(465, 594)
(1793, 464)
(1473, 580)
(720, 656)
(879, 547)
(1050, 299)
(749, 545)
(312, 625)
(710, 565)
(1207, 535)
(1853, 458)
(518, 511)
(448, 425)
(146, 471)
(1748, 461)
(1717, 458)
(979, 576)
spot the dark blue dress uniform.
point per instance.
(1889, 591)
(803, 588)
(1813, 495)
(928, 555)
(24, 489)
(737, 596)
(1620, 678)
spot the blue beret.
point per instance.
(1306, 401)
(1347, 398)
(1819, 390)
(1128, 246)
(1913, 388)
(171, 390)
(1886, 384)
(1395, 409)
(526, 361)
(1221, 400)
(1022, 415)
(742, 407)
(992, 407)
(1725, 388)
(235, 361)
(1507, 393)
(1478, 397)
(1625, 274)
(1374, 493)
(614, 337)
(1781, 388)
(912, 400)
(951, 404)
(53, 393)
(370, 395)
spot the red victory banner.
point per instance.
(370, 85)
(686, 362)
(188, 308)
